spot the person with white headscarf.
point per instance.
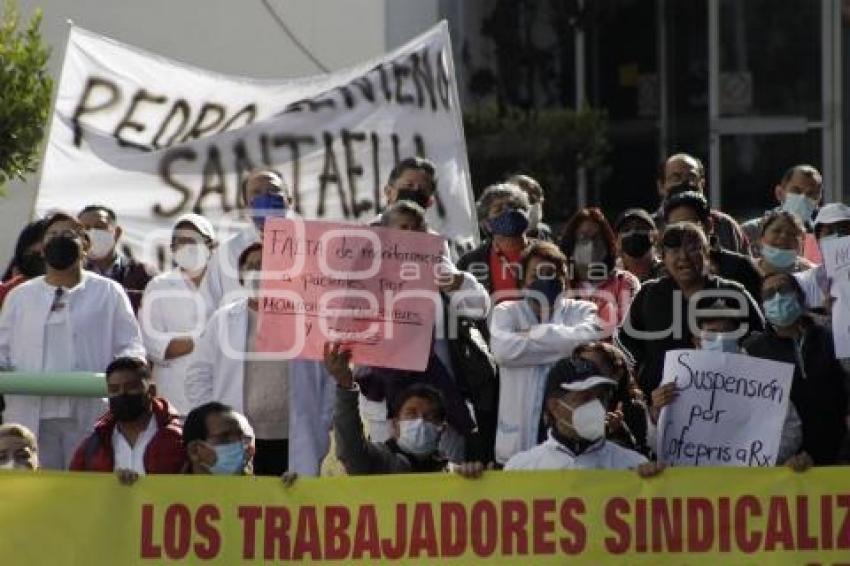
(173, 311)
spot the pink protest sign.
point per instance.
(372, 289)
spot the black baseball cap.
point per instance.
(575, 374)
(636, 214)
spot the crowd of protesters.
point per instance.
(556, 361)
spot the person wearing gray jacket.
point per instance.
(416, 429)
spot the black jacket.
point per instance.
(818, 389)
(477, 262)
(740, 268)
(653, 310)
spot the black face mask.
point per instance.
(636, 244)
(31, 265)
(413, 195)
(128, 407)
(61, 252)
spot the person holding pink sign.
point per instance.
(383, 387)
(288, 402)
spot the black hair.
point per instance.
(126, 363)
(60, 216)
(416, 164)
(691, 199)
(31, 234)
(422, 391)
(113, 218)
(195, 426)
(795, 284)
(405, 207)
(243, 257)
(776, 215)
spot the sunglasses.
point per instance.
(677, 239)
(785, 289)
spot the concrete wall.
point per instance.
(229, 36)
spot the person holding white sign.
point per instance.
(382, 387)
(576, 395)
(264, 194)
(721, 332)
(818, 390)
(833, 221)
(527, 336)
(173, 312)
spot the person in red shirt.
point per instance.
(28, 261)
(503, 215)
(140, 434)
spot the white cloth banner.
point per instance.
(729, 412)
(836, 257)
(154, 138)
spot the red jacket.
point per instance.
(164, 454)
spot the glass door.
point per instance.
(772, 98)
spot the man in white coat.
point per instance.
(265, 195)
(66, 320)
(575, 400)
(289, 403)
(173, 312)
(527, 336)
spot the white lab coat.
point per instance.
(525, 350)
(171, 307)
(103, 327)
(552, 455)
(217, 374)
(222, 276)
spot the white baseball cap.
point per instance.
(832, 213)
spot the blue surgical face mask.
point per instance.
(799, 205)
(418, 437)
(783, 309)
(512, 222)
(229, 459)
(783, 260)
(550, 288)
(265, 205)
(719, 343)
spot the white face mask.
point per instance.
(588, 419)
(535, 215)
(102, 242)
(418, 437)
(192, 258)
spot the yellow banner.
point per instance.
(693, 516)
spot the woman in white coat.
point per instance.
(527, 337)
(296, 391)
(173, 312)
(67, 320)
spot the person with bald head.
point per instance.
(265, 195)
(799, 192)
(683, 172)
